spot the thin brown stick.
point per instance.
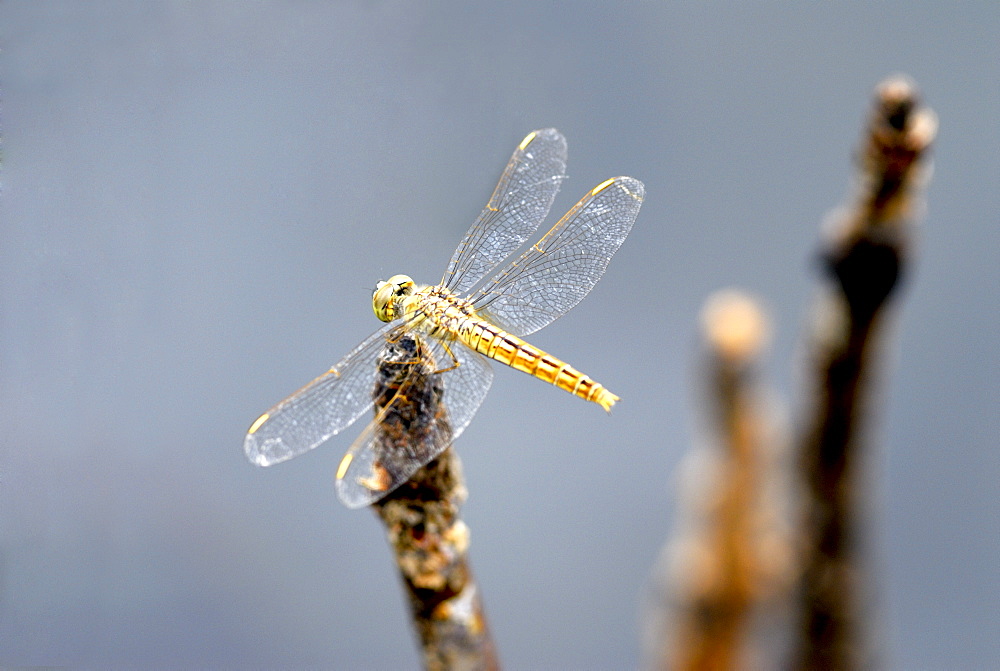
(727, 568)
(865, 253)
(427, 536)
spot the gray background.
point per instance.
(198, 198)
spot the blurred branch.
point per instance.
(427, 536)
(865, 252)
(733, 560)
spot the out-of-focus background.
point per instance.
(197, 199)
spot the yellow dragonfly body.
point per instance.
(473, 313)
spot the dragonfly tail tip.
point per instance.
(606, 399)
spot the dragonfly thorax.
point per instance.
(388, 294)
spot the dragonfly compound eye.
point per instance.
(387, 293)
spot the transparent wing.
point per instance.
(321, 409)
(518, 205)
(557, 272)
(412, 428)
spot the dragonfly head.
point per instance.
(387, 294)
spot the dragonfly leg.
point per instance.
(455, 363)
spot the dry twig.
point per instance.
(428, 538)
(865, 253)
(725, 572)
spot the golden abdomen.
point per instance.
(508, 349)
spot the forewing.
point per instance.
(519, 204)
(385, 455)
(321, 409)
(557, 272)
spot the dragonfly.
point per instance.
(475, 313)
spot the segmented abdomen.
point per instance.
(508, 349)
